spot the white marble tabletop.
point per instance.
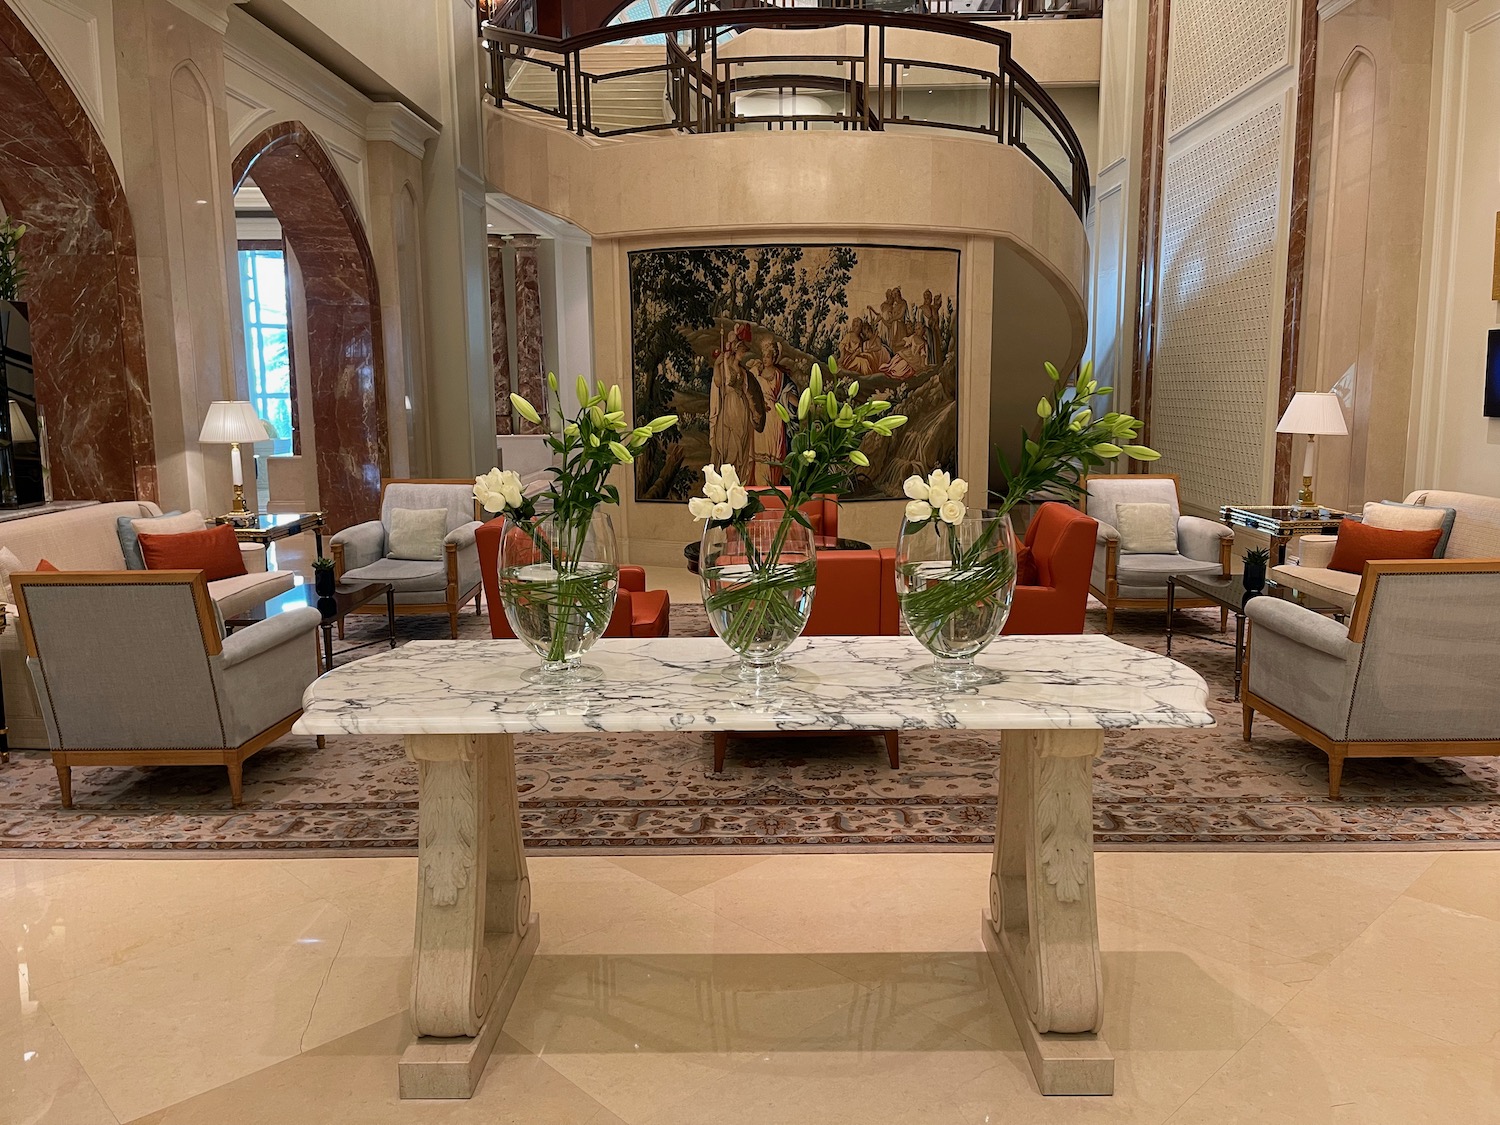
(688, 683)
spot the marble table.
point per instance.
(460, 704)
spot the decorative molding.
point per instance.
(214, 15)
(449, 834)
(1065, 845)
(254, 114)
(394, 122)
(88, 86)
(1327, 9)
(265, 55)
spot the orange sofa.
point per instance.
(639, 612)
(1062, 547)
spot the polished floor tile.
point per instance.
(1348, 989)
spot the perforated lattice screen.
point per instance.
(1219, 49)
(1218, 320)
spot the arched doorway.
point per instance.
(82, 288)
(347, 366)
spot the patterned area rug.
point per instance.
(644, 792)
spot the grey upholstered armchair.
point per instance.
(1122, 580)
(131, 670)
(423, 586)
(1416, 673)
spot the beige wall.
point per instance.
(1454, 446)
(1365, 230)
(700, 190)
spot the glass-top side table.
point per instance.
(1282, 522)
(267, 527)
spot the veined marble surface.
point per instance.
(828, 683)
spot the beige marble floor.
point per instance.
(1282, 988)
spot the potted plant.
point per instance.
(956, 566)
(1256, 561)
(758, 572)
(324, 580)
(559, 570)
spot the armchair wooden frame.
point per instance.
(1110, 595)
(454, 599)
(231, 758)
(1339, 750)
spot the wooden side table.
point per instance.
(1282, 522)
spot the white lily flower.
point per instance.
(918, 510)
(953, 511)
(716, 492)
(701, 508)
(738, 498)
(915, 487)
(722, 511)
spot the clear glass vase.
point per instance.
(758, 584)
(558, 583)
(955, 583)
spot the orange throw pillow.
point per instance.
(1360, 543)
(215, 551)
(1027, 573)
(44, 567)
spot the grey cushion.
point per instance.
(1153, 570)
(403, 574)
(1146, 529)
(130, 539)
(417, 533)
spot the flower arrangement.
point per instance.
(962, 584)
(760, 595)
(560, 597)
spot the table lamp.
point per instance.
(229, 423)
(1312, 413)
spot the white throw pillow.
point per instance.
(417, 534)
(9, 564)
(1412, 517)
(170, 525)
(1146, 529)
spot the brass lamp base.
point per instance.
(239, 500)
(1305, 497)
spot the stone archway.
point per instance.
(83, 284)
(347, 364)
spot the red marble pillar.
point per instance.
(347, 366)
(499, 337)
(83, 286)
(531, 379)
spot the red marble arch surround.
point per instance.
(83, 285)
(321, 225)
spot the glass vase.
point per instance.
(955, 583)
(559, 579)
(758, 582)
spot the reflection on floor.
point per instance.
(1359, 989)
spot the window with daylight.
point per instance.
(263, 294)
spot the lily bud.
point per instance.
(525, 409)
(552, 381)
(859, 459)
(614, 400)
(624, 455)
(664, 423)
(1142, 453)
(815, 383)
(1107, 450)
(583, 391)
(1044, 409)
(782, 412)
(804, 404)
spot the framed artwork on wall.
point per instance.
(720, 334)
(1492, 376)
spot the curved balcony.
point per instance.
(724, 66)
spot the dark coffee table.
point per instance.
(1230, 594)
(693, 550)
(347, 597)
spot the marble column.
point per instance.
(500, 337)
(530, 378)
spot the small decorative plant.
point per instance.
(1256, 561)
(323, 577)
(758, 573)
(1257, 556)
(559, 583)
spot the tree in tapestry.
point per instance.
(720, 334)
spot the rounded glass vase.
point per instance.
(559, 579)
(955, 583)
(758, 583)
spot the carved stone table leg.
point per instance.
(475, 931)
(1042, 931)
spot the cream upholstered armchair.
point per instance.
(423, 586)
(1123, 580)
(200, 698)
(1416, 673)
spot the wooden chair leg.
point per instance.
(236, 782)
(65, 783)
(721, 747)
(479, 603)
(1335, 774)
(341, 628)
(1223, 618)
(1249, 718)
(893, 748)
(322, 742)
(453, 623)
(1109, 618)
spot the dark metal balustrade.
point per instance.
(870, 87)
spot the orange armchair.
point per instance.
(822, 512)
(639, 612)
(1062, 547)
